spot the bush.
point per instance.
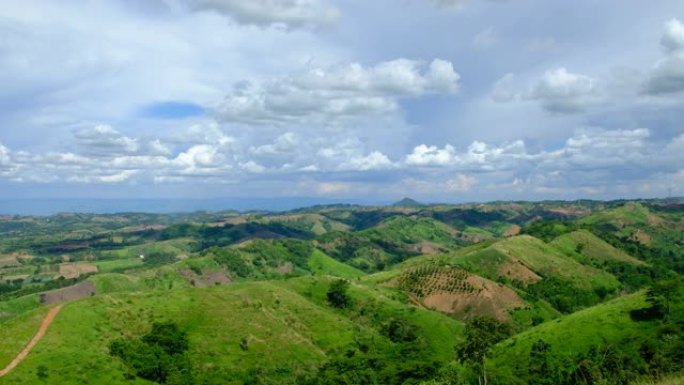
(337, 294)
(159, 356)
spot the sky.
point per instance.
(439, 100)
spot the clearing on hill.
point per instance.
(451, 289)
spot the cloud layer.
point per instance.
(343, 99)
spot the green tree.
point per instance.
(159, 356)
(539, 369)
(481, 334)
(662, 293)
(337, 294)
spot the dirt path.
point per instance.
(36, 338)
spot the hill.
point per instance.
(617, 342)
(407, 203)
(242, 333)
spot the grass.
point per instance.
(668, 380)
(603, 325)
(217, 319)
(16, 333)
(549, 261)
(322, 264)
(108, 266)
(583, 244)
(288, 326)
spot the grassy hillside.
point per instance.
(321, 264)
(286, 333)
(583, 245)
(618, 341)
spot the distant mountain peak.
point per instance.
(407, 202)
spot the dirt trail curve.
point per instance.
(36, 338)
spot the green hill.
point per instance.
(407, 203)
(243, 333)
(616, 341)
(582, 244)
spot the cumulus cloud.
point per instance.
(338, 93)
(104, 140)
(458, 4)
(478, 155)
(589, 162)
(373, 161)
(279, 13)
(4, 155)
(673, 37)
(561, 91)
(600, 148)
(460, 183)
(668, 74)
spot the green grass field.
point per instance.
(321, 264)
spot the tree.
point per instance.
(159, 356)
(539, 370)
(481, 334)
(337, 294)
(661, 294)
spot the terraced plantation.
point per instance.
(512, 292)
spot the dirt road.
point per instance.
(36, 338)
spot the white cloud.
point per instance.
(423, 155)
(284, 143)
(478, 155)
(104, 140)
(279, 13)
(673, 38)
(373, 161)
(338, 93)
(460, 183)
(667, 76)
(4, 156)
(561, 91)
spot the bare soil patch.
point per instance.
(452, 290)
(206, 279)
(427, 247)
(489, 299)
(641, 237)
(517, 270)
(512, 231)
(75, 270)
(78, 291)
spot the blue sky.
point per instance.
(441, 100)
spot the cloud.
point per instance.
(284, 143)
(423, 155)
(478, 156)
(279, 13)
(460, 183)
(591, 149)
(458, 4)
(373, 161)
(486, 38)
(589, 162)
(673, 38)
(104, 140)
(561, 91)
(4, 155)
(504, 89)
(667, 76)
(337, 94)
